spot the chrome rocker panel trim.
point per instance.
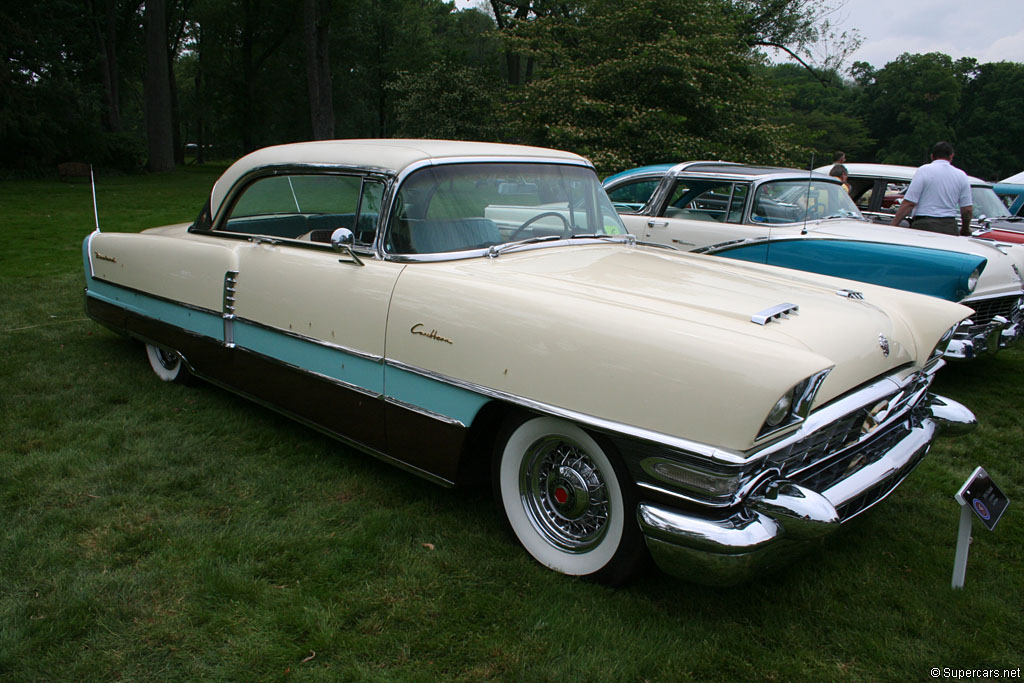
(781, 518)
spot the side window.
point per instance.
(864, 198)
(893, 196)
(702, 201)
(307, 207)
(739, 200)
(631, 197)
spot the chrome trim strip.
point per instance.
(423, 411)
(364, 355)
(88, 253)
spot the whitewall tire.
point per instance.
(167, 365)
(566, 500)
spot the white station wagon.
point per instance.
(457, 308)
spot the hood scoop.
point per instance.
(774, 313)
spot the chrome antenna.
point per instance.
(807, 198)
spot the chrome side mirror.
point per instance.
(342, 238)
(342, 241)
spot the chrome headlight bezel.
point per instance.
(793, 406)
(940, 347)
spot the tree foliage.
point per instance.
(652, 80)
(624, 82)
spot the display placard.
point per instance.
(982, 495)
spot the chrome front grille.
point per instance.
(872, 424)
(828, 472)
(822, 443)
(986, 309)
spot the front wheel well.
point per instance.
(478, 448)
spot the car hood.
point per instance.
(662, 331)
(1002, 275)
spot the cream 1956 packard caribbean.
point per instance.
(455, 307)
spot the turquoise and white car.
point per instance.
(807, 221)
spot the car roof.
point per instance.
(720, 169)
(894, 171)
(388, 156)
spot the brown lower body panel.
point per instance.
(426, 445)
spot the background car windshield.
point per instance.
(987, 203)
(794, 201)
(465, 207)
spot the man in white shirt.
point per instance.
(937, 193)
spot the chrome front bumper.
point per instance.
(779, 518)
(971, 341)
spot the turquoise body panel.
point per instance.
(935, 272)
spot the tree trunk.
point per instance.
(316, 28)
(156, 89)
(106, 40)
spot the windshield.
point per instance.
(987, 203)
(795, 201)
(475, 206)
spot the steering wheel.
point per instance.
(815, 211)
(530, 221)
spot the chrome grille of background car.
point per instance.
(986, 309)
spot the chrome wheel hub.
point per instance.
(564, 494)
(168, 359)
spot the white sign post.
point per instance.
(978, 496)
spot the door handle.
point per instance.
(657, 224)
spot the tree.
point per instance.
(654, 80)
(800, 28)
(819, 116)
(990, 129)
(910, 104)
(157, 89)
(316, 32)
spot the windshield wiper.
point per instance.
(496, 249)
(602, 236)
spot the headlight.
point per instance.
(972, 281)
(794, 405)
(780, 410)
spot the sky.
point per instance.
(988, 30)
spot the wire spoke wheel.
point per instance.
(564, 494)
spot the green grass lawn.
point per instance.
(161, 532)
